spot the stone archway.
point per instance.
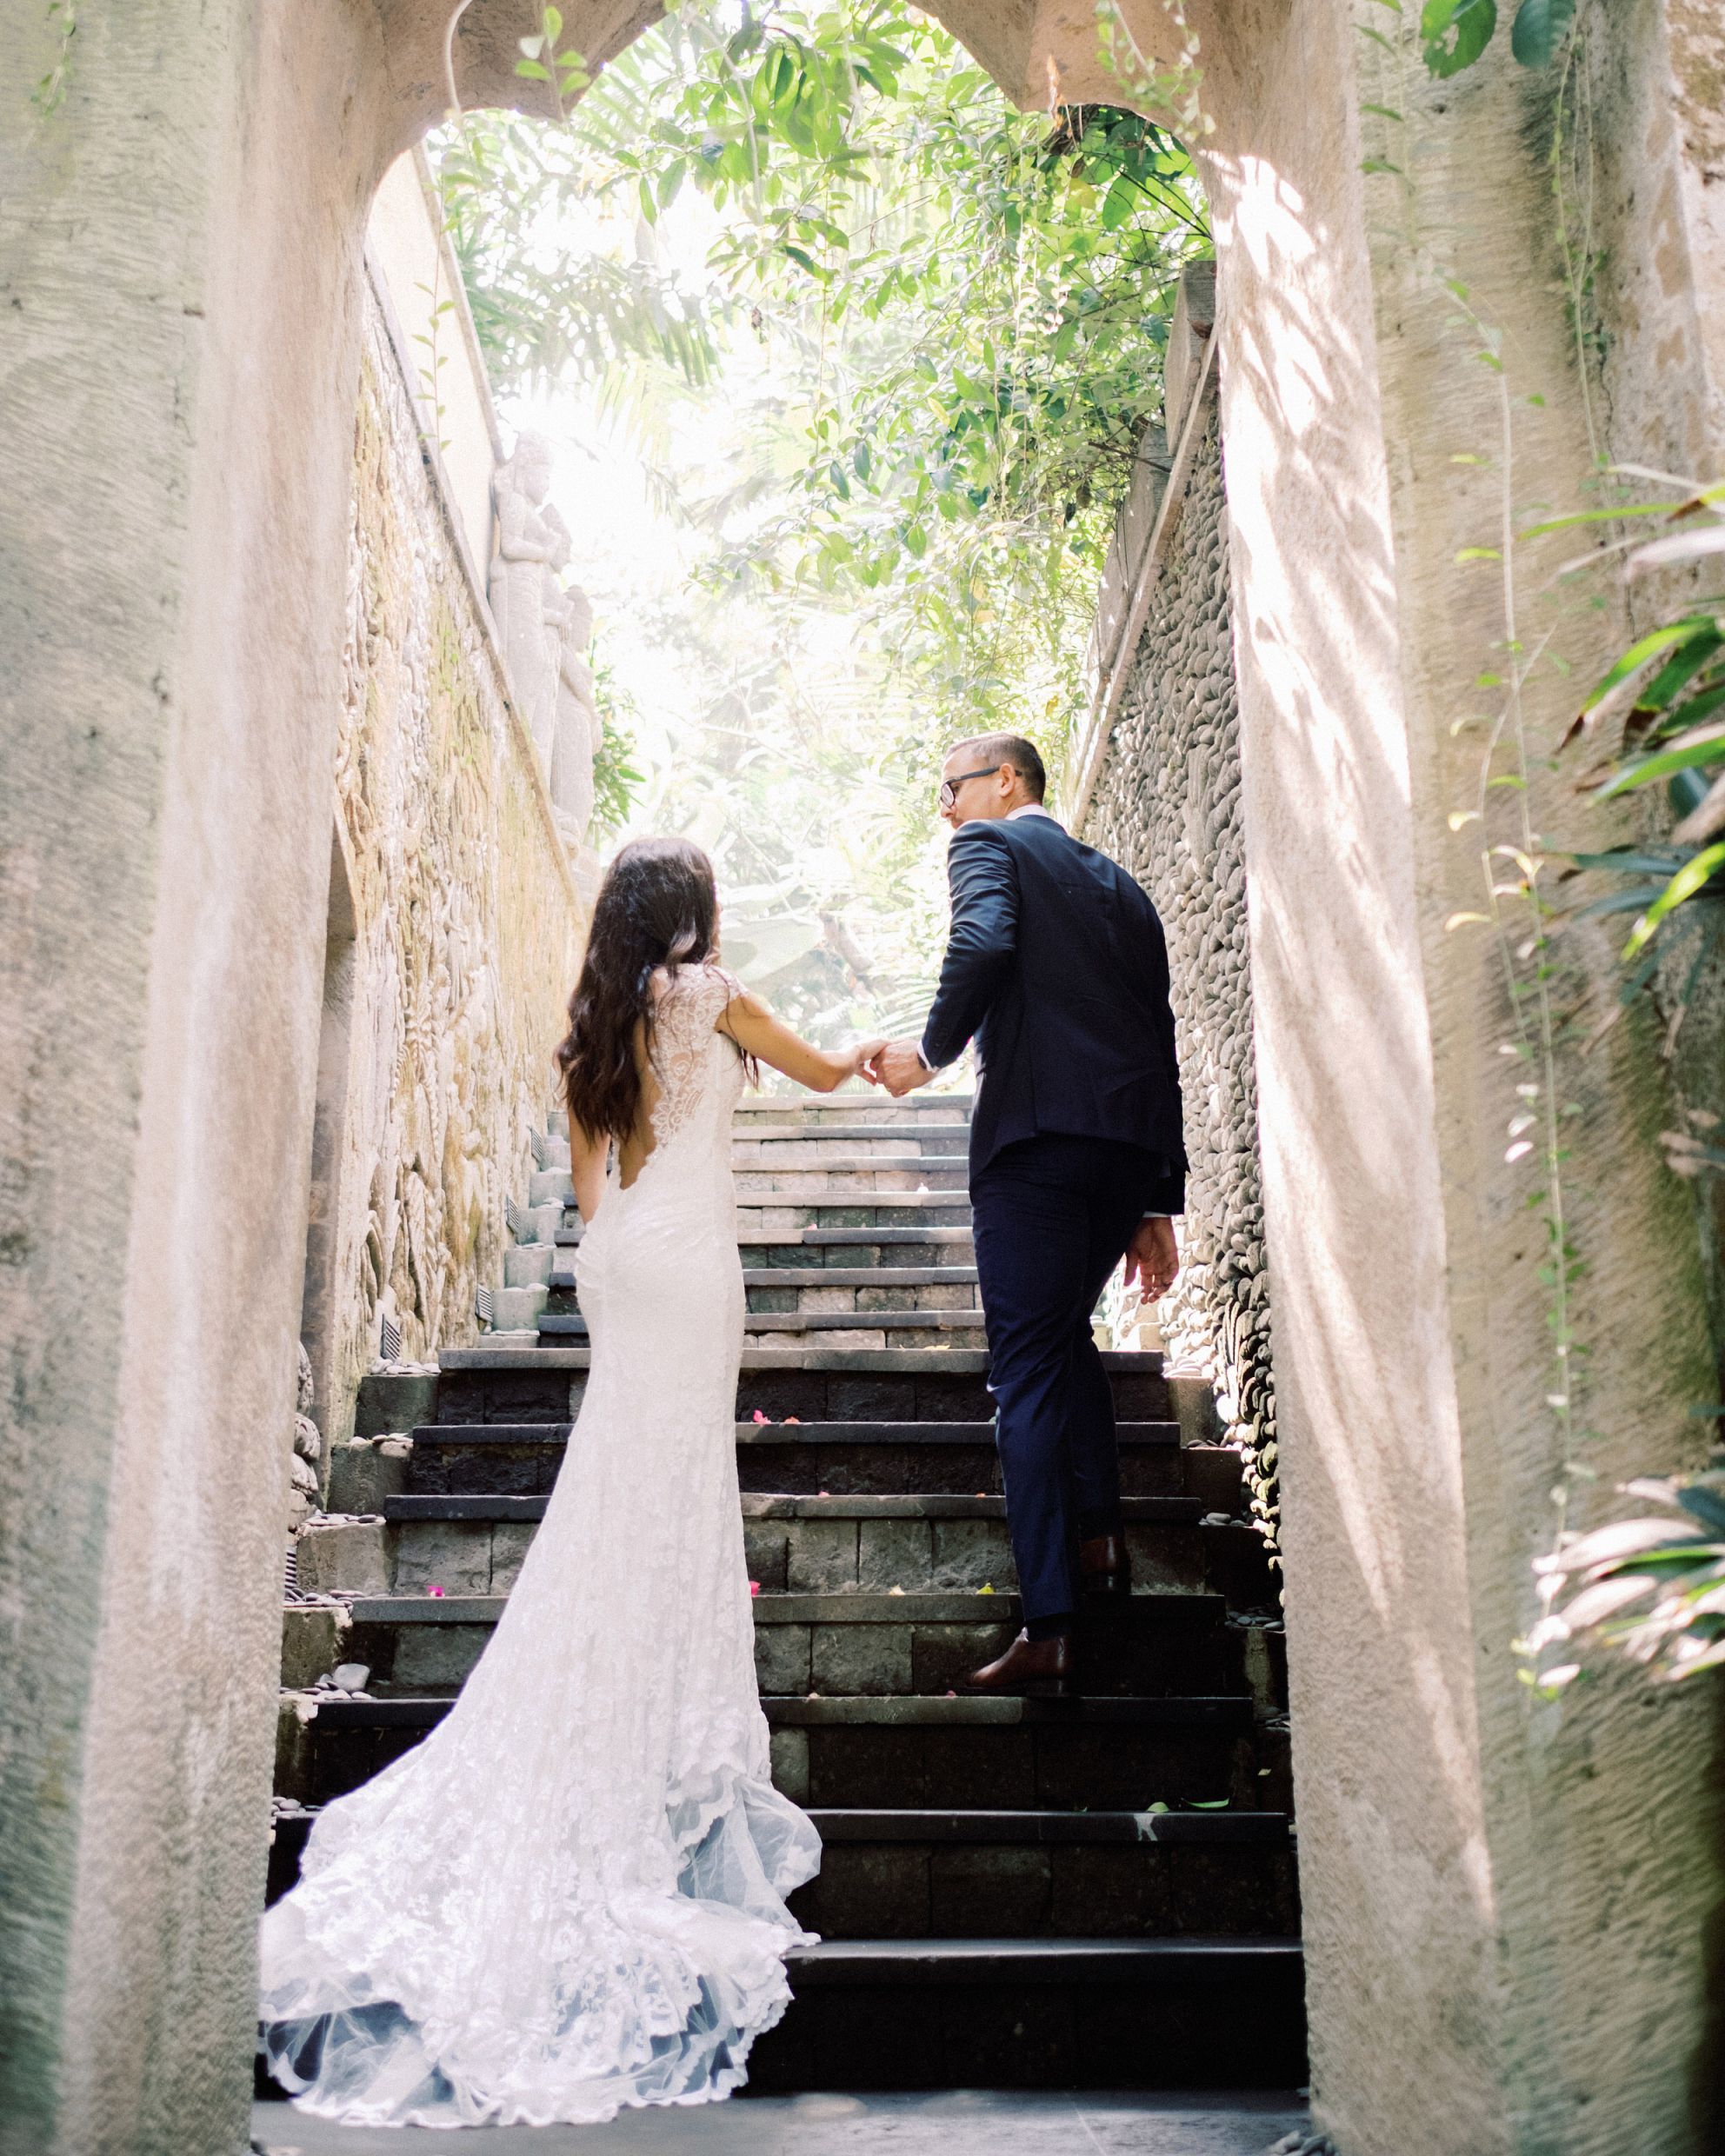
(182, 242)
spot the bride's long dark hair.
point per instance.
(656, 907)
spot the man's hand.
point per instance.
(900, 1068)
(1153, 1258)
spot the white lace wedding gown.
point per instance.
(572, 1896)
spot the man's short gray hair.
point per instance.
(996, 750)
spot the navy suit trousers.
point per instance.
(1053, 1217)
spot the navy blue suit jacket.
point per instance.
(1057, 964)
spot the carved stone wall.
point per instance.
(463, 919)
(1166, 804)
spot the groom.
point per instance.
(1055, 963)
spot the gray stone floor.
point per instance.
(954, 2123)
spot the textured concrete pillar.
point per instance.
(1509, 1906)
(1491, 1966)
(179, 252)
(179, 262)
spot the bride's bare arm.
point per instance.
(755, 1029)
(586, 1167)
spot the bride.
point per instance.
(571, 1897)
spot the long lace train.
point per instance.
(571, 1897)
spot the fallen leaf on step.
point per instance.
(985, 1590)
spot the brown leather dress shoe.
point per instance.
(1105, 1568)
(1045, 1668)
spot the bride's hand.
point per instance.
(861, 1056)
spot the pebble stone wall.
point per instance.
(1166, 804)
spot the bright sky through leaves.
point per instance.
(847, 362)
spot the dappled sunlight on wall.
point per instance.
(467, 923)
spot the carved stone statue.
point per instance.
(533, 545)
(579, 728)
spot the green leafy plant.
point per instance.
(618, 786)
(922, 333)
(50, 91)
(1651, 1589)
(1456, 32)
(1667, 689)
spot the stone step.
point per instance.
(1039, 2014)
(805, 1545)
(924, 1136)
(858, 1107)
(850, 1173)
(853, 1328)
(879, 1249)
(474, 1544)
(861, 1753)
(839, 1290)
(799, 1459)
(764, 1213)
(500, 1382)
(903, 1278)
(837, 1644)
(916, 1874)
(758, 1506)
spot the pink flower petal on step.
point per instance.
(754, 1587)
(759, 1417)
(438, 1592)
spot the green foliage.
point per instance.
(1456, 32)
(963, 307)
(49, 92)
(1651, 1589)
(618, 786)
(1668, 689)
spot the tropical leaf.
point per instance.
(1540, 28)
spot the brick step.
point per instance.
(863, 1752)
(855, 1643)
(1039, 2014)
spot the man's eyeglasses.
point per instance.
(949, 786)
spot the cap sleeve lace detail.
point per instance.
(685, 1041)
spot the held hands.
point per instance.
(859, 1060)
(1153, 1258)
(898, 1067)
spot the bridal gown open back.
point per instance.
(572, 1896)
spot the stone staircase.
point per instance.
(1096, 1892)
